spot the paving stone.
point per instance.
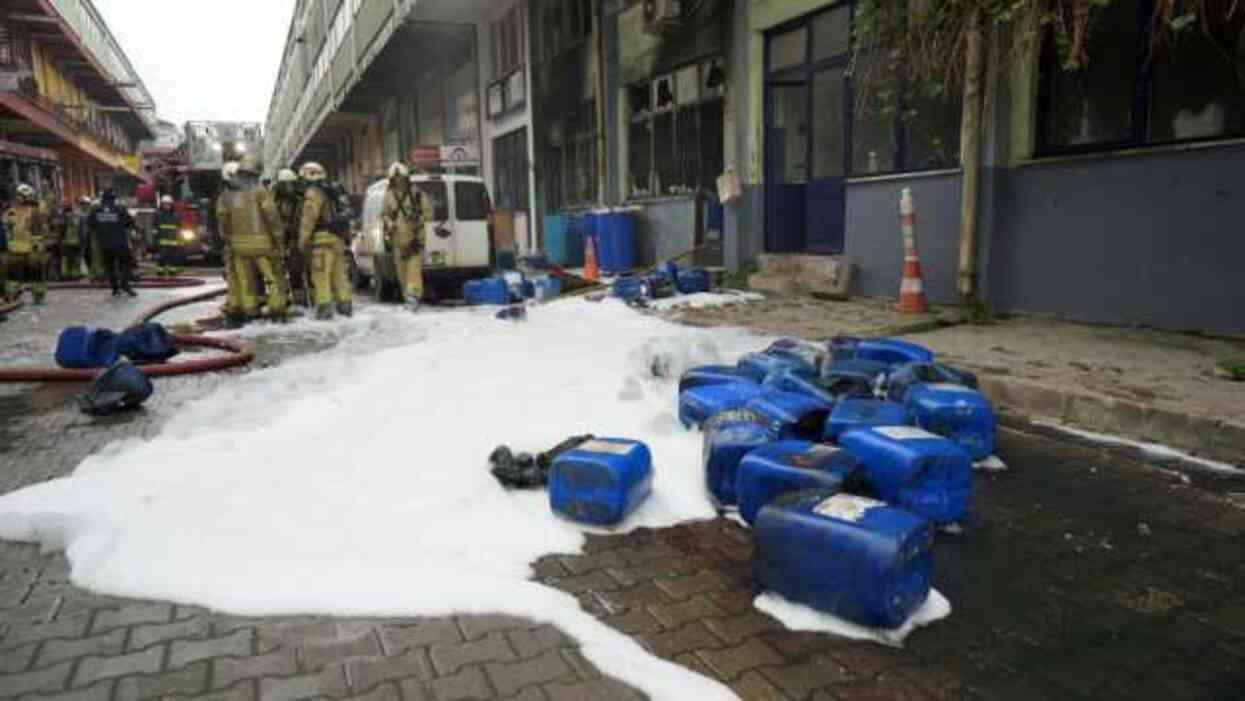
(131, 615)
(728, 663)
(580, 564)
(183, 652)
(414, 690)
(318, 653)
(467, 684)
(476, 627)
(183, 612)
(702, 582)
(430, 631)
(142, 636)
(278, 663)
(604, 689)
(694, 609)
(733, 600)
(754, 687)
(533, 641)
(106, 645)
(548, 566)
(447, 659)
(533, 693)
(363, 674)
(101, 691)
(510, 678)
(799, 680)
(694, 663)
(51, 678)
(593, 581)
(327, 682)
(91, 669)
(734, 629)
(11, 596)
(36, 609)
(643, 594)
(384, 692)
(937, 682)
(662, 568)
(693, 636)
(886, 688)
(633, 621)
(17, 659)
(271, 635)
(189, 680)
(655, 551)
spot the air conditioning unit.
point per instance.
(662, 15)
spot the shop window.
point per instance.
(1126, 96)
(675, 136)
(788, 50)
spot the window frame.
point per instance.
(650, 116)
(1142, 103)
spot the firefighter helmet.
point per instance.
(398, 170)
(286, 175)
(25, 192)
(312, 172)
(229, 172)
(166, 200)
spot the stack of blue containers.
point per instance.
(843, 459)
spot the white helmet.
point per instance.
(229, 171)
(312, 172)
(84, 200)
(166, 200)
(398, 170)
(285, 175)
(26, 191)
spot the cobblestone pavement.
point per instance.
(1083, 574)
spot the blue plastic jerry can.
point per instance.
(697, 404)
(788, 466)
(854, 413)
(846, 555)
(601, 481)
(890, 351)
(905, 376)
(729, 436)
(910, 467)
(81, 347)
(957, 412)
(492, 290)
(711, 375)
(791, 415)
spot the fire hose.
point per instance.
(236, 353)
(157, 284)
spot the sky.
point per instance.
(203, 59)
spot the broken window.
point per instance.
(1190, 88)
(675, 137)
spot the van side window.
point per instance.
(472, 201)
(435, 190)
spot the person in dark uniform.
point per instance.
(110, 223)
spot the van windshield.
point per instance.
(472, 201)
(435, 190)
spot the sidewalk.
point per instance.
(1140, 383)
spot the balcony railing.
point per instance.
(74, 118)
(86, 22)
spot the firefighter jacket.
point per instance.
(314, 228)
(167, 228)
(289, 206)
(111, 223)
(27, 230)
(406, 212)
(247, 220)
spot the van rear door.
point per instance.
(471, 212)
(439, 250)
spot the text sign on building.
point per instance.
(461, 154)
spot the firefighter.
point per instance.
(71, 242)
(168, 239)
(109, 225)
(95, 252)
(27, 246)
(405, 213)
(247, 220)
(57, 226)
(321, 235)
(288, 193)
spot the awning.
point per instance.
(31, 153)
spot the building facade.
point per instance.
(1106, 195)
(72, 109)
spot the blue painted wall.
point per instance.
(875, 244)
(1154, 240)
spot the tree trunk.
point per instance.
(970, 155)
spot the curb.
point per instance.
(1201, 436)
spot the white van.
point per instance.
(459, 238)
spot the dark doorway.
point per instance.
(807, 130)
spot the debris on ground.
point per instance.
(525, 471)
(123, 387)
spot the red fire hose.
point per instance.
(156, 284)
(237, 354)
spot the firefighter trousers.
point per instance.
(30, 267)
(252, 269)
(169, 259)
(329, 280)
(411, 274)
(71, 262)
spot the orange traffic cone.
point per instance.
(591, 271)
(911, 289)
